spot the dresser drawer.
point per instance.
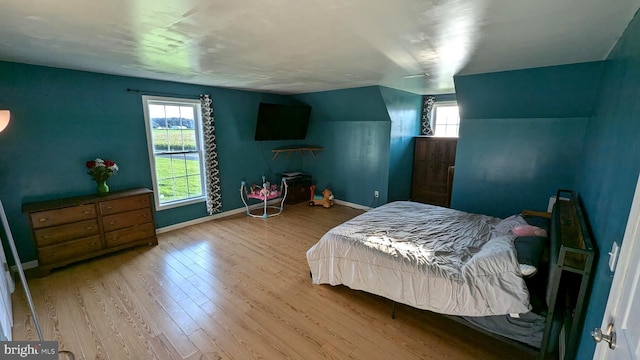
(130, 234)
(71, 229)
(69, 250)
(126, 219)
(62, 216)
(125, 204)
(57, 234)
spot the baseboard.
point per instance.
(224, 214)
(353, 205)
(27, 265)
(239, 211)
(34, 263)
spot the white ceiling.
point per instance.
(299, 46)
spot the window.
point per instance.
(445, 119)
(174, 138)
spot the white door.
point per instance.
(6, 288)
(623, 306)
(6, 285)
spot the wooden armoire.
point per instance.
(433, 166)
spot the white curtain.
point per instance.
(214, 195)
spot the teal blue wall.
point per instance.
(506, 165)
(404, 111)
(521, 136)
(546, 92)
(354, 127)
(62, 118)
(609, 169)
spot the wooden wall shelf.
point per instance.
(297, 149)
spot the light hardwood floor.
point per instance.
(239, 288)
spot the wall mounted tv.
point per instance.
(282, 122)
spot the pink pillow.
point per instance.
(528, 230)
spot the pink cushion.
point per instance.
(528, 230)
(261, 195)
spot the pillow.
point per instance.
(529, 230)
(529, 250)
(505, 226)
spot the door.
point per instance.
(623, 306)
(6, 288)
(6, 285)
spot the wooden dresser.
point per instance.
(78, 228)
(433, 161)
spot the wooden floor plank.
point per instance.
(235, 288)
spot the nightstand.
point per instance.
(298, 189)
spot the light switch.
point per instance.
(613, 256)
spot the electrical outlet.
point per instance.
(376, 194)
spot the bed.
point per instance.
(453, 263)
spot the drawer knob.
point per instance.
(92, 244)
(112, 223)
(87, 212)
(47, 237)
(109, 207)
(42, 219)
(90, 228)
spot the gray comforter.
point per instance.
(429, 257)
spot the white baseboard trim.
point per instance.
(239, 211)
(27, 265)
(216, 216)
(353, 205)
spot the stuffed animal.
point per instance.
(326, 199)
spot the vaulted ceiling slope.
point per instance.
(300, 46)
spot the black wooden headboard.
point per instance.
(571, 258)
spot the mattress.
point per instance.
(428, 257)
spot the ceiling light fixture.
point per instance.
(416, 76)
(5, 116)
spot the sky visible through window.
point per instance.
(446, 120)
(167, 111)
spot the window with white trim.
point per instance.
(445, 119)
(174, 139)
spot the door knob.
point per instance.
(609, 337)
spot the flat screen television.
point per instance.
(282, 122)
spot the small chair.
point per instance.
(264, 193)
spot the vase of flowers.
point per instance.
(100, 170)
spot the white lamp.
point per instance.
(5, 116)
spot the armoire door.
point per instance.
(433, 157)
